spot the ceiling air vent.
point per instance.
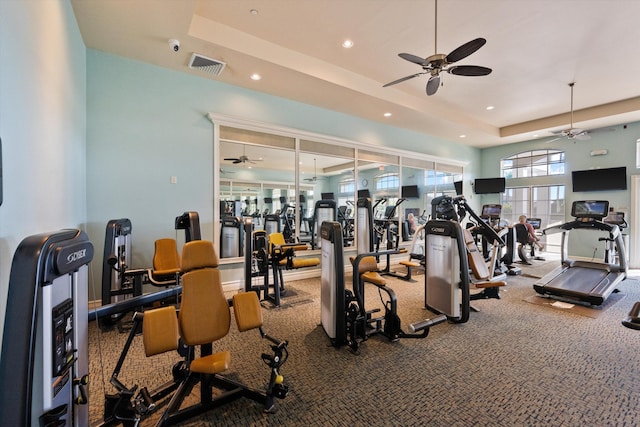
(208, 65)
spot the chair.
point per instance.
(483, 276)
(283, 256)
(204, 318)
(166, 263)
(522, 238)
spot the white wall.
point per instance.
(42, 124)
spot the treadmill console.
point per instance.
(536, 223)
(587, 210)
(491, 212)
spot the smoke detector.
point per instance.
(208, 65)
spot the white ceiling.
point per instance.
(535, 48)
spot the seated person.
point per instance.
(413, 224)
(533, 239)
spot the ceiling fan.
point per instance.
(435, 64)
(242, 159)
(572, 133)
(314, 178)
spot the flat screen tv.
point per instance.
(327, 196)
(599, 179)
(597, 209)
(489, 185)
(458, 187)
(410, 192)
(268, 200)
(364, 193)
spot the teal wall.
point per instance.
(147, 123)
(621, 146)
(42, 124)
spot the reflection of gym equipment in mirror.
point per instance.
(456, 272)
(343, 314)
(270, 252)
(580, 281)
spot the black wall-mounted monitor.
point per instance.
(410, 192)
(489, 185)
(364, 193)
(596, 209)
(458, 187)
(599, 179)
(327, 196)
(268, 200)
(283, 199)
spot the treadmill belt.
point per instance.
(582, 280)
(592, 285)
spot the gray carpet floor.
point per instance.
(513, 364)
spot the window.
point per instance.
(387, 181)
(533, 163)
(347, 187)
(544, 202)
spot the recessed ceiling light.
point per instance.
(347, 44)
(463, 136)
(490, 107)
(255, 76)
(253, 11)
(387, 114)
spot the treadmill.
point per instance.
(580, 281)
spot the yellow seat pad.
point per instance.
(305, 262)
(212, 364)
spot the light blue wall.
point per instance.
(621, 146)
(146, 124)
(42, 124)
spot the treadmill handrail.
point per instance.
(577, 224)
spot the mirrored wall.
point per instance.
(277, 177)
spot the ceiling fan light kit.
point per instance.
(438, 62)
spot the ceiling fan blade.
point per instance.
(413, 58)
(469, 70)
(432, 85)
(402, 79)
(553, 140)
(465, 50)
(231, 158)
(236, 161)
(582, 136)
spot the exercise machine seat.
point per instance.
(368, 271)
(166, 260)
(477, 264)
(247, 311)
(204, 312)
(160, 330)
(278, 247)
(166, 263)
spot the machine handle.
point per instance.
(81, 383)
(426, 323)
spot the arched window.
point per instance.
(387, 181)
(533, 163)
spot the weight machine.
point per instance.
(343, 313)
(452, 258)
(44, 363)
